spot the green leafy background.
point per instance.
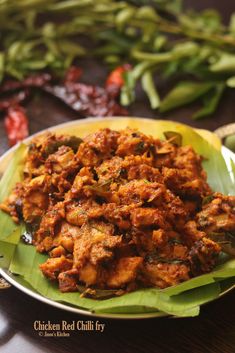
(181, 300)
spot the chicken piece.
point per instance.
(65, 236)
(163, 275)
(165, 153)
(159, 238)
(133, 142)
(144, 171)
(97, 146)
(44, 145)
(45, 245)
(218, 215)
(83, 177)
(191, 207)
(143, 241)
(88, 156)
(203, 256)
(124, 272)
(95, 243)
(191, 233)
(104, 140)
(68, 281)
(60, 184)
(179, 251)
(118, 214)
(94, 247)
(138, 160)
(61, 160)
(35, 198)
(127, 248)
(164, 148)
(89, 274)
(53, 266)
(175, 210)
(34, 205)
(183, 183)
(48, 225)
(145, 217)
(58, 251)
(103, 250)
(79, 212)
(187, 158)
(141, 191)
(110, 169)
(34, 165)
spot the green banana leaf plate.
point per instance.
(19, 262)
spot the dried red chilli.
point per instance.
(16, 124)
(73, 74)
(39, 80)
(87, 100)
(115, 79)
(13, 99)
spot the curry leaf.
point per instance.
(210, 102)
(232, 23)
(231, 82)
(184, 93)
(226, 62)
(150, 89)
(12, 175)
(128, 90)
(173, 137)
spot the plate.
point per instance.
(81, 128)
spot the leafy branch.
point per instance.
(157, 37)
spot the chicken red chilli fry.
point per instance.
(119, 210)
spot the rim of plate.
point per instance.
(12, 279)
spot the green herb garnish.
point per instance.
(207, 199)
(173, 137)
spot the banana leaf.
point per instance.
(182, 300)
(13, 174)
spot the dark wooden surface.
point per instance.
(213, 331)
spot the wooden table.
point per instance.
(213, 331)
